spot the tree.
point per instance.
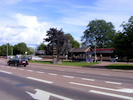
(98, 30)
(74, 43)
(41, 47)
(21, 48)
(58, 39)
(123, 41)
(3, 49)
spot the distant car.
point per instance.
(36, 58)
(30, 57)
(18, 61)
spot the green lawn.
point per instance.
(120, 66)
(68, 63)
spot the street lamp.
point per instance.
(95, 49)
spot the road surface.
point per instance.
(54, 82)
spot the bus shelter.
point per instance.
(81, 54)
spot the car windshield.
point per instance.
(24, 59)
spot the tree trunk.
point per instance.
(58, 57)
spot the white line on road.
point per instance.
(30, 70)
(5, 72)
(113, 82)
(2, 66)
(104, 88)
(131, 77)
(52, 74)
(111, 94)
(68, 76)
(40, 80)
(106, 74)
(43, 95)
(39, 72)
(14, 68)
(88, 79)
(7, 67)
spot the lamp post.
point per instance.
(7, 51)
(95, 49)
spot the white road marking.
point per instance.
(106, 74)
(111, 94)
(80, 72)
(2, 66)
(125, 90)
(21, 69)
(43, 95)
(88, 79)
(7, 67)
(113, 82)
(30, 70)
(39, 72)
(52, 74)
(68, 76)
(14, 68)
(40, 80)
(5, 72)
(131, 77)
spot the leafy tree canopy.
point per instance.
(20, 48)
(98, 30)
(74, 43)
(59, 39)
(42, 46)
(123, 41)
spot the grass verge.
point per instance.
(120, 66)
(67, 63)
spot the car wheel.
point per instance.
(24, 65)
(16, 64)
(8, 64)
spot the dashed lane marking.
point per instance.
(52, 74)
(5, 72)
(68, 76)
(14, 68)
(113, 82)
(111, 94)
(88, 79)
(40, 80)
(39, 72)
(30, 70)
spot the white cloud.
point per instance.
(27, 29)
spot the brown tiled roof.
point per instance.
(80, 49)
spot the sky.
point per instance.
(29, 20)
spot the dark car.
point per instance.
(18, 61)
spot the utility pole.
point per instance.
(12, 51)
(7, 51)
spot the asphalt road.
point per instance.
(54, 82)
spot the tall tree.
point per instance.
(21, 48)
(74, 43)
(123, 41)
(59, 40)
(3, 49)
(98, 30)
(42, 46)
